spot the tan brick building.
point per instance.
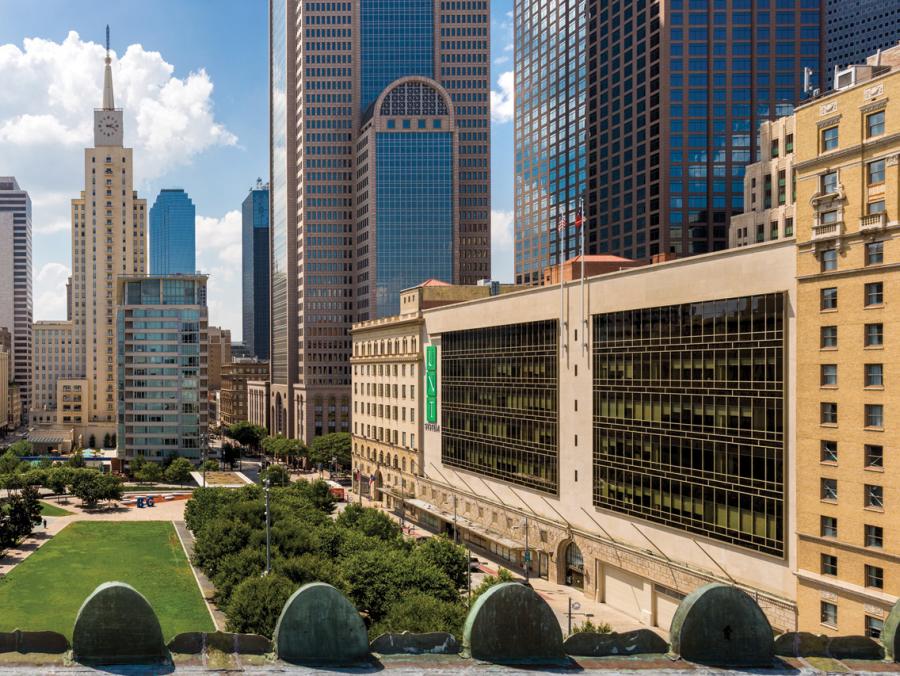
(848, 411)
(233, 396)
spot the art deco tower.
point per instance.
(108, 240)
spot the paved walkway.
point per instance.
(207, 589)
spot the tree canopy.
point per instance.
(336, 446)
(246, 434)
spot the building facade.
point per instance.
(16, 311)
(5, 362)
(54, 359)
(638, 428)
(173, 226)
(161, 329)
(856, 29)
(233, 396)
(648, 112)
(330, 141)
(255, 271)
(848, 212)
(219, 351)
(769, 188)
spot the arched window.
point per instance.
(574, 566)
(414, 98)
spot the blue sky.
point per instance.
(198, 69)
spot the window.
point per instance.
(874, 415)
(874, 577)
(874, 456)
(788, 227)
(828, 336)
(874, 536)
(875, 124)
(829, 451)
(876, 207)
(875, 172)
(829, 183)
(828, 489)
(874, 253)
(829, 413)
(874, 335)
(828, 526)
(773, 150)
(828, 298)
(828, 260)
(874, 496)
(874, 374)
(874, 627)
(829, 375)
(874, 293)
(829, 613)
(828, 217)
(829, 564)
(789, 143)
(829, 139)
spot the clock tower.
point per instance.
(108, 120)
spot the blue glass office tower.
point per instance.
(173, 234)
(349, 225)
(255, 271)
(649, 111)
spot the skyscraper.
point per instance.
(380, 152)
(173, 234)
(855, 30)
(648, 111)
(15, 281)
(255, 270)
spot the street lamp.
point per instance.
(268, 537)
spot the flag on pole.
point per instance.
(579, 215)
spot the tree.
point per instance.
(209, 466)
(92, 441)
(218, 539)
(256, 604)
(368, 521)
(276, 474)
(589, 627)
(90, 486)
(149, 473)
(22, 447)
(77, 460)
(447, 556)
(10, 463)
(135, 466)
(489, 581)
(230, 454)
(19, 515)
(234, 569)
(59, 478)
(179, 471)
(247, 434)
(107, 440)
(420, 613)
(336, 446)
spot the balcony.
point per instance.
(821, 231)
(872, 222)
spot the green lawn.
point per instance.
(52, 510)
(45, 591)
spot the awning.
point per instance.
(48, 437)
(465, 524)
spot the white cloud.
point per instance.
(502, 249)
(50, 296)
(500, 60)
(219, 255)
(503, 102)
(46, 118)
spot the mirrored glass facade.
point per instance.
(255, 272)
(499, 403)
(689, 417)
(397, 39)
(415, 214)
(281, 219)
(173, 234)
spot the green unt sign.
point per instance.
(431, 384)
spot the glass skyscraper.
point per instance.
(173, 234)
(856, 29)
(648, 111)
(255, 271)
(349, 114)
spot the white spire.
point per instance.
(108, 102)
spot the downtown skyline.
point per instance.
(167, 76)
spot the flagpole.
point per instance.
(580, 221)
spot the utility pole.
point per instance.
(469, 571)
(527, 551)
(205, 453)
(268, 529)
(455, 529)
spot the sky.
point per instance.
(192, 77)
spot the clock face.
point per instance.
(108, 125)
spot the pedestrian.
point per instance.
(45, 524)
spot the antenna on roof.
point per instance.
(107, 40)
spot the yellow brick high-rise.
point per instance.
(848, 408)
